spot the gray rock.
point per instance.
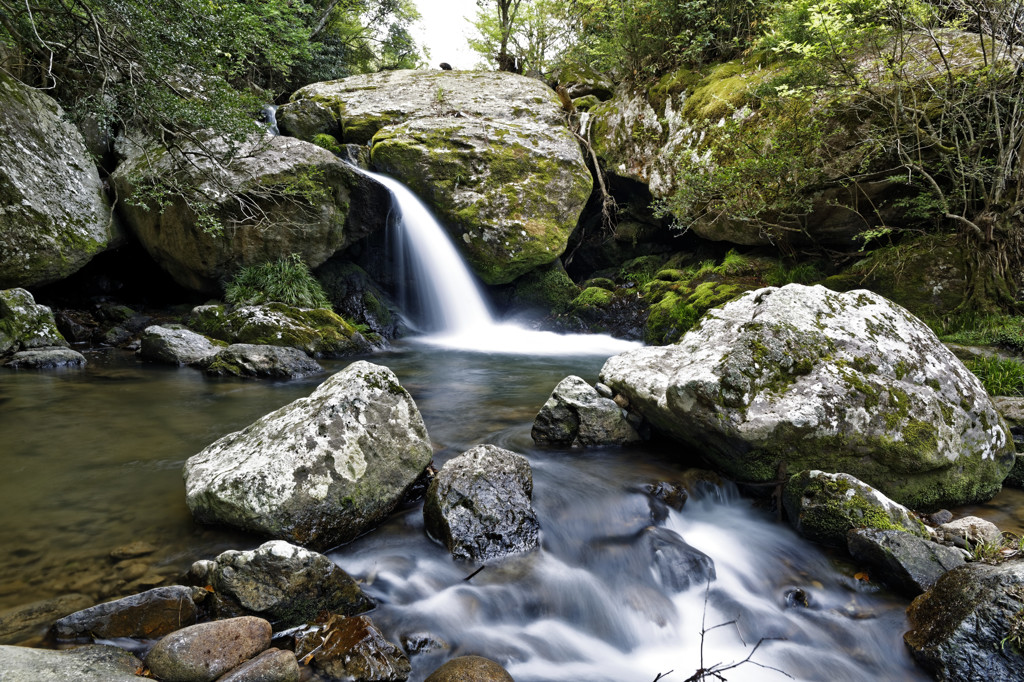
(29, 620)
(54, 215)
(24, 324)
(1011, 408)
(273, 665)
(175, 346)
(46, 358)
(470, 669)
(270, 362)
(677, 565)
(806, 378)
(906, 563)
(825, 507)
(319, 471)
(93, 663)
(576, 414)
(479, 506)
(283, 583)
(970, 626)
(970, 531)
(490, 153)
(149, 615)
(204, 652)
(353, 649)
(343, 208)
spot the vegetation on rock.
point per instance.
(286, 280)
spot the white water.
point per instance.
(453, 309)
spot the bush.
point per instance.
(286, 280)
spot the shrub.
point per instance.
(286, 280)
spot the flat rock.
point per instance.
(148, 615)
(46, 358)
(93, 663)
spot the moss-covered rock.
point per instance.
(24, 324)
(489, 152)
(805, 378)
(54, 214)
(547, 288)
(357, 297)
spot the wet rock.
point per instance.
(268, 362)
(672, 495)
(422, 642)
(970, 625)
(970, 531)
(319, 471)
(824, 507)
(273, 665)
(479, 505)
(204, 652)
(148, 615)
(356, 296)
(94, 663)
(175, 346)
(906, 563)
(940, 517)
(470, 669)
(24, 324)
(46, 358)
(286, 584)
(132, 550)
(677, 565)
(576, 414)
(353, 649)
(808, 378)
(22, 622)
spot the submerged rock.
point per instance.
(806, 378)
(479, 506)
(54, 215)
(204, 652)
(271, 362)
(93, 663)
(576, 414)
(353, 649)
(29, 620)
(970, 625)
(285, 584)
(148, 615)
(489, 152)
(319, 471)
(906, 563)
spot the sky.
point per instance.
(443, 29)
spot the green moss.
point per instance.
(593, 297)
(328, 142)
(725, 89)
(548, 287)
(676, 309)
(670, 85)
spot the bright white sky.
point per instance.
(443, 29)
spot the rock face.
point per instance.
(489, 152)
(806, 378)
(314, 206)
(272, 362)
(904, 562)
(285, 584)
(576, 414)
(319, 471)
(96, 663)
(969, 625)
(54, 216)
(204, 652)
(24, 324)
(479, 506)
(148, 615)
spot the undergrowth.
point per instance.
(286, 280)
(999, 376)
(1006, 331)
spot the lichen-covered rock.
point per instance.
(970, 531)
(317, 332)
(470, 669)
(307, 202)
(286, 584)
(353, 649)
(147, 615)
(54, 215)
(576, 414)
(24, 324)
(489, 152)
(204, 652)
(479, 505)
(94, 663)
(806, 378)
(319, 471)
(175, 346)
(970, 625)
(906, 563)
(271, 362)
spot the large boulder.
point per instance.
(319, 471)
(479, 505)
(800, 377)
(576, 414)
(489, 152)
(302, 200)
(970, 625)
(24, 324)
(54, 215)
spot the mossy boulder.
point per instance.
(317, 331)
(299, 199)
(547, 288)
(801, 377)
(24, 324)
(356, 296)
(54, 214)
(490, 153)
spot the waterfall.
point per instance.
(449, 304)
(268, 117)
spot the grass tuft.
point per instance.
(286, 280)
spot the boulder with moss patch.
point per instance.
(278, 196)
(356, 296)
(54, 214)
(489, 152)
(24, 324)
(319, 471)
(801, 377)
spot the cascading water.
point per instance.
(451, 308)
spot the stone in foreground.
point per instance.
(793, 378)
(94, 663)
(479, 506)
(905, 562)
(204, 652)
(319, 471)
(466, 668)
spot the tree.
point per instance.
(497, 20)
(539, 32)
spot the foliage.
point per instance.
(287, 280)
(999, 376)
(522, 35)
(799, 273)
(989, 330)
